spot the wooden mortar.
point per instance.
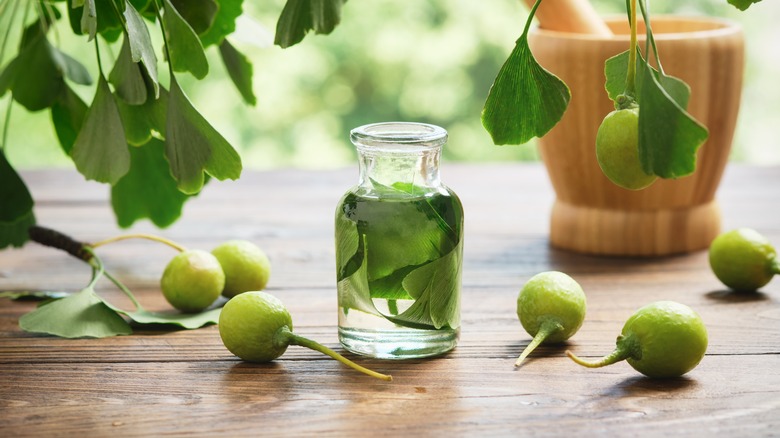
(591, 214)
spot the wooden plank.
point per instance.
(185, 382)
(441, 396)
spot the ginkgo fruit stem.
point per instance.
(294, 339)
(631, 76)
(614, 357)
(547, 328)
(153, 237)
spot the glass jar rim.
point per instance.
(399, 137)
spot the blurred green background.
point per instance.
(430, 61)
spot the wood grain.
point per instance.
(185, 383)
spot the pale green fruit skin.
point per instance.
(617, 150)
(246, 267)
(551, 295)
(742, 259)
(248, 324)
(192, 281)
(672, 339)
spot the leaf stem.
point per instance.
(125, 290)
(631, 76)
(775, 267)
(153, 237)
(97, 52)
(531, 15)
(650, 39)
(294, 339)
(165, 38)
(8, 29)
(121, 17)
(547, 328)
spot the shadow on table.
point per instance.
(730, 296)
(641, 385)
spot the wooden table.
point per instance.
(156, 383)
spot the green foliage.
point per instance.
(36, 76)
(83, 314)
(67, 115)
(301, 16)
(100, 150)
(742, 4)
(129, 111)
(126, 77)
(240, 70)
(433, 285)
(189, 321)
(668, 136)
(16, 216)
(193, 147)
(224, 22)
(87, 314)
(435, 288)
(525, 101)
(147, 190)
(141, 49)
(184, 46)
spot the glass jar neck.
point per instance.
(398, 159)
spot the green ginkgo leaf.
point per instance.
(435, 287)
(100, 151)
(353, 291)
(669, 137)
(126, 77)
(224, 22)
(141, 48)
(81, 315)
(141, 121)
(525, 101)
(147, 190)
(16, 216)
(240, 70)
(188, 321)
(742, 4)
(200, 14)
(193, 146)
(298, 17)
(33, 76)
(616, 70)
(67, 115)
(184, 46)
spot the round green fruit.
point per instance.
(617, 150)
(246, 267)
(192, 281)
(661, 340)
(250, 324)
(743, 259)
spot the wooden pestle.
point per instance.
(575, 16)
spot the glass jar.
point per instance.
(399, 246)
